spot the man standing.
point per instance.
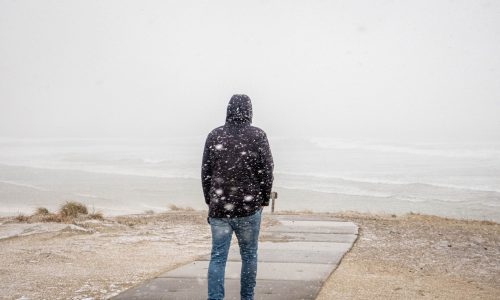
(237, 177)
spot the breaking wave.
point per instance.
(458, 151)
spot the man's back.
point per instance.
(237, 177)
(237, 166)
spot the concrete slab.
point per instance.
(305, 246)
(309, 227)
(293, 256)
(306, 237)
(320, 223)
(189, 289)
(266, 270)
(306, 229)
(306, 218)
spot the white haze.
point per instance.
(399, 70)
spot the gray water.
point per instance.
(318, 174)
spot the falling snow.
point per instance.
(228, 206)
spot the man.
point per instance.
(237, 177)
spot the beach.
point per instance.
(418, 257)
(371, 126)
(95, 259)
(392, 191)
(394, 257)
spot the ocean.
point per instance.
(117, 176)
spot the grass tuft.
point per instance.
(22, 218)
(96, 216)
(50, 217)
(41, 211)
(71, 209)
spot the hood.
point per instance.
(239, 110)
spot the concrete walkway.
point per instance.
(295, 258)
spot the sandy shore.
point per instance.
(96, 259)
(404, 257)
(418, 257)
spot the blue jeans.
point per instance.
(247, 232)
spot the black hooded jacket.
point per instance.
(237, 166)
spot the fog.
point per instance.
(412, 70)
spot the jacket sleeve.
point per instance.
(265, 171)
(206, 170)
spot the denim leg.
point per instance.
(247, 231)
(221, 240)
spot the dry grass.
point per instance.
(22, 218)
(69, 212)
(41, 211)
(411, 216)
(131, 220)
(71, 209)
(48, 217)
(170, 217)
(95, 216)
(174, 207)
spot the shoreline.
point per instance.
(116, 194)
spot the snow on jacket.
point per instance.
(237, 165)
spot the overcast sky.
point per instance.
(347, 69)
